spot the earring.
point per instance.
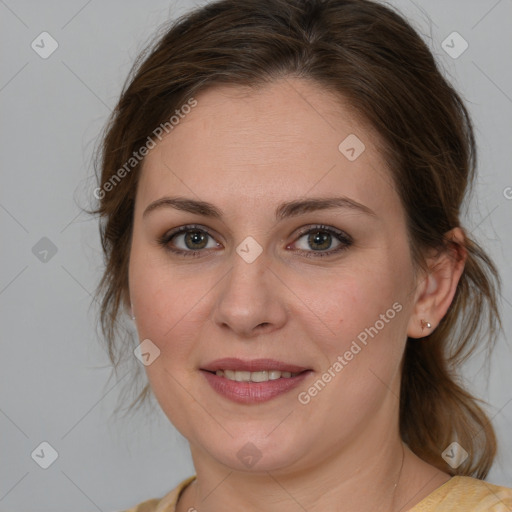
(131, 312)
(426, 324)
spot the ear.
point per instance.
(436, 289)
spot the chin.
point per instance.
(257, 453)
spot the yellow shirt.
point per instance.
(460, 493)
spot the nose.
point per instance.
(251, 299)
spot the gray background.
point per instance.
(54, 375)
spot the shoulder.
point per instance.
(166, 503)
(466, 493)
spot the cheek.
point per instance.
(366, 315)
(166, 309)
(362, 354)
(349, 303)
(161, 311)
(155, 297)
(169, 305)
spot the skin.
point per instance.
(246, 152)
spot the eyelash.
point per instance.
(342, 237)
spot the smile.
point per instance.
(261, 376)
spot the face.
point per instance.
(325, 289)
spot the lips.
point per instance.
(252, 392)
(254, 365)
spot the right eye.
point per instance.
(193, 238)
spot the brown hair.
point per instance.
(369, 55)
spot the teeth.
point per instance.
(263, 376)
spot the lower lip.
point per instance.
(253, 392)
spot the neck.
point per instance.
(375, 480)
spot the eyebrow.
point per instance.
(284, 210)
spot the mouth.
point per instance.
(244, 370)
(253, 381)
(259, 376)
(261, 389)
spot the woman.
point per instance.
(280, 191)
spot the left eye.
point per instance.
(322, 238)
(195, 239)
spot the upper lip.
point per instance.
(253, 365)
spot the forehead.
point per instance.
(289, 139)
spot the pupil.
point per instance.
(316, 238)
(196, 237)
